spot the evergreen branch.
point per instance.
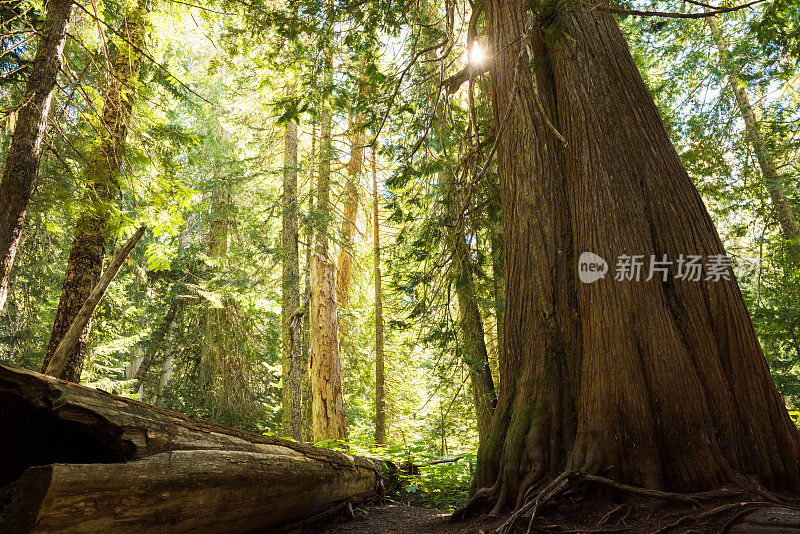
(620, 11)
(144, 54)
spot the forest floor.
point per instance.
(728, 518)
(402, 519)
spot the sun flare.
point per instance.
(477, 55)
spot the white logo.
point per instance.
(591, 267)
(687, 268)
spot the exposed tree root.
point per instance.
(730, 497)
(611, 512)
(746, 507)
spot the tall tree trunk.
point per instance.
(158, 337)
(88, 246)
(305, 365)
(344, 263)
(380, 377)
(134, 365)
(499, 285)
(160, 334)
(22, 161)
(292, 403)
(69, 341)
(653, 383)
(169, 365)
(469, 315)
(327, 397)
(783, 209)
(325, 145)
(220, 222)
(163, 333)
(324, 182)
(223, 371)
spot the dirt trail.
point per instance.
(401, 519)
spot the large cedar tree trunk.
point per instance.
(85, 262)
(656, 384)
(22, 161)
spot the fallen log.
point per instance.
(75, 459)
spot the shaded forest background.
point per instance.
(193, 322)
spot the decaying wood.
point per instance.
(75, 459)
(327, 398)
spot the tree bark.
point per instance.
(470, 320)
(305, 365)
(499, 285)
(168, 367)
(780, 203)
(380, 376)
(327, 399)
(119, 465)
(22, 161)
(344, 262)
(469, 316)
(657, 384)
(324, 183)
(88, 246)
(223, 371)
(292, 416)
(325, 148)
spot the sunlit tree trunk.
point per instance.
(305, 365)
(88, 246)
(324, 182)
(344, 262)
(325, 147)
(22, 161)
(380, 376)
(327, 398)
(169, 364)
(292, 404)
(769, 170)
(157, 339)
(652, 383)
